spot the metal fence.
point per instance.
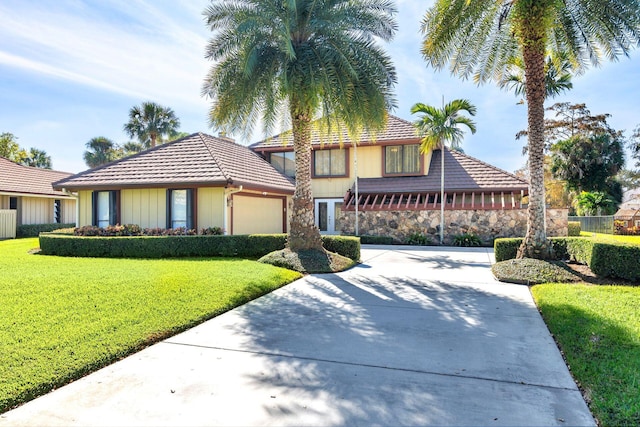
(595, 224)
(7, 224)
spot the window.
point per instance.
(284, 162)
(13, 203)
(180, 209)
(637, 223)
(402, 159)
(330, 162)
(57, 206)
(105, 208)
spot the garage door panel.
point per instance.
(252, 215)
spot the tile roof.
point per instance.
(197, 159)
(397, 130)
(462, 173)
(15, 178)
(626, 213)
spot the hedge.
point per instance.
(33, 230)
(376, 240)
(250, 246)
(574, 228)
(615, 259)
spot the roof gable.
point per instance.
(462, 173)
(197, 159)
(19, 179)
(397, 130)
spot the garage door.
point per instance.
(253, 215)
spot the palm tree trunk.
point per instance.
(303, 234)
(535, 244)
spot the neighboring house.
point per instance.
(196, 182)
(629, 216)
(399, 188)
(29, 192)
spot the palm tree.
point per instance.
(437, 126)
(101, 150)
(280, 61)
(557, 76)
(149, 122)
(37, 158)
(482, 37)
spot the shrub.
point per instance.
(212, 231)
(166, 246)
(32, 230)
(616, 260)
(506, 248)
(376, 240)
(348, 246)
(574, 228)
(418, 239)
(466, 239)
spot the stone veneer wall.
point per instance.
(487, 224)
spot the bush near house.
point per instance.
(376, 240)
(32, 230)
(574, 228)
(606, 259)
(175, 246)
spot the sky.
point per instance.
(71, 70)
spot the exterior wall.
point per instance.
(487, 224)
(369, 166)
(210, 207)
(68, 214)
(146, 207)
(84, 211)
(4, 202)
(7, 224)
(36, 210)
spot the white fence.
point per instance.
(8, 223)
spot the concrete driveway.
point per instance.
(410, 337)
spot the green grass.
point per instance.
(61, 318)
(612, 237)
(598, 330)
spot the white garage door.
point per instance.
(252, 215)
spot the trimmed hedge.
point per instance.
(33, 230)
(376, 240)
(615, 259)
(574, 228)
(250, 246)
(344, 245)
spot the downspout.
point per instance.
(225, 201)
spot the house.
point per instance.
(28, 191)
(398, 188)
(627, 219)
(196, 182)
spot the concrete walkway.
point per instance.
(411, 337)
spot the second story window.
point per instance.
(402, 159)
(330, 162)
(284, 162)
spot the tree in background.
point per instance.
(557, 78)
(437, 126)
(150, 123)
(482, 37)
(587, 162)
(37, 159)
(10, 149)
(100, 150)
(298, 60)
(595, 203)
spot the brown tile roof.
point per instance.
(197, 159)
(461, 172)
(626, 213)
(397, 130)
(15, 178)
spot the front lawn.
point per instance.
(598, 330)
(610, 237)
(61, 318)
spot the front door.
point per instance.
(328, 215)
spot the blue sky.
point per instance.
(71, 70)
